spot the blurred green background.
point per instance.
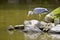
(14, 12)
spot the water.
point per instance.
(13, 17)
(33, 36)
(44, 36)
(57, 36)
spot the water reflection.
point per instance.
(39, 36)
(43, 36)
(10, 32)
(33, 36)
(57, 36)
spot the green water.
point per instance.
(11, 17)
(15, 16)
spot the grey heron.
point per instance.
(38, 10)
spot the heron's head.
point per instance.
(30, 13)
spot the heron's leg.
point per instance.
(39, 16)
